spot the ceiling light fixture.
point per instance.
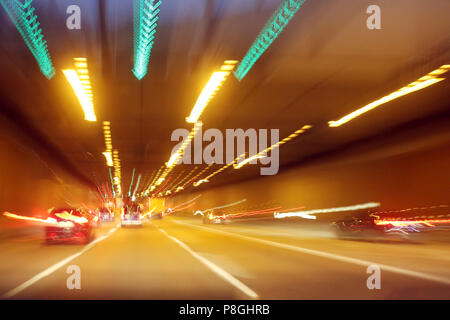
(22, 14)
(82, 87)
(273, 27)
(145, 22)
(421, 83)
(209, 91)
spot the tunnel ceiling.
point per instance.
(325, 64)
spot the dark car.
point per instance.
(131, 216)
(70, 225)
(106, 215)
(211, 218)
(366, 226)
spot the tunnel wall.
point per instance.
(30, 185)
(399, 172)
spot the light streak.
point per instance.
(115, 161)
(407, 223)
(25, 20)
(108, 156)
(137, 184)
(131, 184)
(262, 154)
(189, 201)
(83, 94)
(198, 175)
(180, 151)
(209, 91)
(199, 182)
(419, 84)
(227, 205)
(278, 215)
(52, 221)
(215, 173)
(273, 27)
(145, 23)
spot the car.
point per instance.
(131, 216)
(368, 227)
(69, 225)
(212, 218)
(155, 215)
(106, 215)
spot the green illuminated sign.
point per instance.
(145, 21)
(22, 14)
(279, 19)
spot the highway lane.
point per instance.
(180, 258)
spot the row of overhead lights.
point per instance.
(211, 88)
(112, 156)
(421, 83)
(262, 154)
(429, 79)
(237, 164)
(282, 15)
(79, 79)
(81, 85)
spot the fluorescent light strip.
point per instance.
(145, 22)
(85, 101)
(22, 14)
(306, 214)
(209, 91)
(109, 161)
(273, 27)
(112, 156)
(419, 84)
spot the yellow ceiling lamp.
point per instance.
(215, 82)
(421, 83)
(81, 85)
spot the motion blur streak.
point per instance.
(277, 22)
(146, 17)
(225, 205)
(419, 84)
(23, 16)
(214, 268)
(179, 153)
(49, 220)
(328, 210)
(108, 157)
(19, 217)
(209, 91)
(365, 263)
(263, 153)
(186, 202)
(82, 90)
(406, 223)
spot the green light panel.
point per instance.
(145, 21)
(22, 14)
(279, 19)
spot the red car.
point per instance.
(70, 225)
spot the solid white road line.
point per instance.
(213, 267)
(327, 255)
(55, 267)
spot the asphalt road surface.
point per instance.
(181, 258)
